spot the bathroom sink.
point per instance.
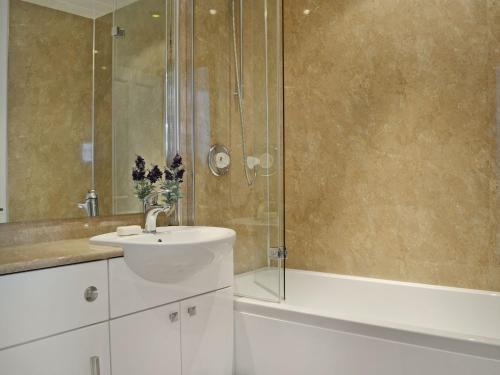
(172, 254)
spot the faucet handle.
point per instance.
(90, 204)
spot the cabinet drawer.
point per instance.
(70, 353)
(39, 303)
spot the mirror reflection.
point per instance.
(83, 96)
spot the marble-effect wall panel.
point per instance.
(391, 139)
(49, 112)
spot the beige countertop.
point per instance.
(50, 254)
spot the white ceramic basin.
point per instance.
(172, 254)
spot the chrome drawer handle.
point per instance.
(91, 294)
(192, 310)
(95, 368)
(174, 316)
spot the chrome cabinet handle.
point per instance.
(192, 310)
(95, 368)
(174, 316)
(91, 294)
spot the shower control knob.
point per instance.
(222, 160)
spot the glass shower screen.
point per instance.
(235, 105)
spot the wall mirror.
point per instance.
(82, 93)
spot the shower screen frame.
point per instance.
(4, 42)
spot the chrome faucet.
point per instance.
(152, 209)
(90, 204)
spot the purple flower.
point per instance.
(179, 174)
(138, 175)
(140, 163)
(177, 162)
(154, 174)
(168, 175)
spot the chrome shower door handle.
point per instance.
(95, 368)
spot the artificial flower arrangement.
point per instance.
(147, 181)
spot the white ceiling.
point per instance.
(84, 8)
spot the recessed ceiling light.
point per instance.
(155, 14)
(213, 12)
(306, 12)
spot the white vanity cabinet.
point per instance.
(99, 318)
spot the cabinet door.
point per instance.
(207, 334)
(84, 351)
(147, 342)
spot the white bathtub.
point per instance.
(333, 324)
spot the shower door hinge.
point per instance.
(278, 253)
(117, 31)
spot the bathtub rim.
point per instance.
(451, 341)
(412, 284)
